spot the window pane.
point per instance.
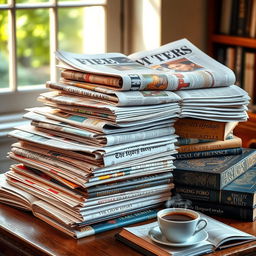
(30, 1)
(89, 35)
(4, 66)
(33, 46)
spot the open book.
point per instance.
(220, 236)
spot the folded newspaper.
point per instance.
(174, 66)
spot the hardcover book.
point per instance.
(220, 236)
(226, 211)
(213, 145)
(240, 192)
(203, 129)
(209, 153)
(213, 172)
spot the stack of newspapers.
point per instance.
(102, 146)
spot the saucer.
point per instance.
(156, 235)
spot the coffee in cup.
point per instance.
(180, 224)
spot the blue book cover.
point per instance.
(213, 172)
(208, 153)
(240, 192)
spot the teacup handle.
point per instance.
(202, 220)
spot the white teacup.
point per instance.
(179, 224)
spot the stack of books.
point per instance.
(102, 147)
(223, 185)
(200, 138)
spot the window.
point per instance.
(31, 31)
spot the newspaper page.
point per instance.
(119, 119)
(115, 70)
(231, 236)
(46, 190)
(110, 155)
(92, 105)
(103, 140)
(170, 139)
(174, 66)
(97, 125)
(116, 98)
(186, 66)
(53, 154)
(42, 177)
(137, 182)
(57, 173)
(52, 161)
(224, 104)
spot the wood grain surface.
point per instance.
(23, 234)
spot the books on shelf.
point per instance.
(225, 20)
(249, 73)
(220, 236)
(237, 18)
(252, 29)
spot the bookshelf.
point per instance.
(219, 40)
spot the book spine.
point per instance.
(237, 169)
(234, 17)
(249, 67)
(116, 223)
(239, 65)
(225, 17)
(135, 246)
(230, 57)
(226, 211)
(188, 141)
(248, 17)
(209, 153)
(226, 197)
(225, 144)
(241, 20)
(200, 129)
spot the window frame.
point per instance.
(14, 99)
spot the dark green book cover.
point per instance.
(213, 172)
(240, 192)
(226, 211)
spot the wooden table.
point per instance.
(22, 234)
